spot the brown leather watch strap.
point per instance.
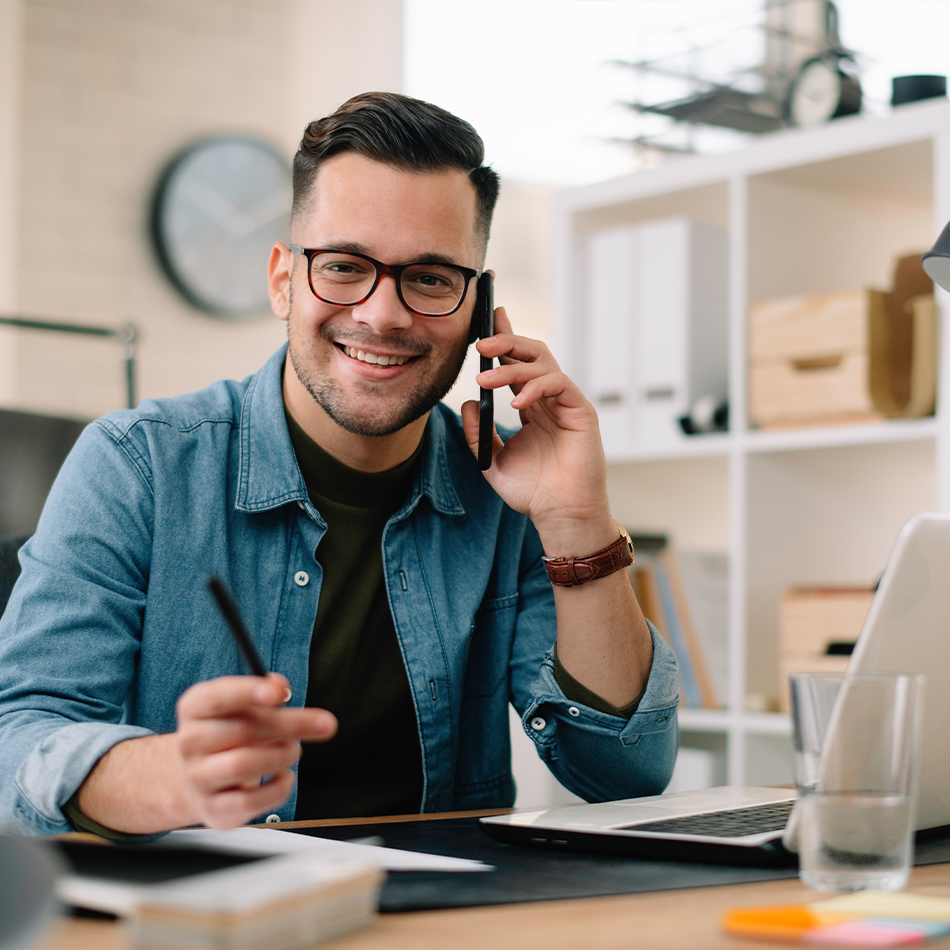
(572, 571)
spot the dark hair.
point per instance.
(405, 133)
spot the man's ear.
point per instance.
(278, 279)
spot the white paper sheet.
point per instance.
(274, 841)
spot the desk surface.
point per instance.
(666, 920)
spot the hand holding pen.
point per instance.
(237, 740)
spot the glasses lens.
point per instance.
(341, 278)
(433, 289)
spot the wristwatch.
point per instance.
(572, 571)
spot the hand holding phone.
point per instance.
(485, 327)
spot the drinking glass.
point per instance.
(857, 762)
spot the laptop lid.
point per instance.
(907, 630)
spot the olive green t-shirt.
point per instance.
(373, 765)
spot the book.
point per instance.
(280, 903)
(705, 583)
(691, 643)
(660, 593)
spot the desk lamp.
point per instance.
(936, 262)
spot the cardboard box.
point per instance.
(810, 620)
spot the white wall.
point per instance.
(95, 97)
(10, 45)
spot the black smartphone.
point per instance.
(484, 317)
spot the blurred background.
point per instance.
(99, 98)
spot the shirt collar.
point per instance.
(269, 475)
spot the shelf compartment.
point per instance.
(823, 517)
(686, 499)
(838, 225)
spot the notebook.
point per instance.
(907, 630)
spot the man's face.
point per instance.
(375, 367)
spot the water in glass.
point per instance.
(855, 841)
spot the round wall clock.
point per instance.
(822, 90)
(219, 207)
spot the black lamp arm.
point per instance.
(127, 336)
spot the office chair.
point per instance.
(9, 566)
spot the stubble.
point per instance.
(381, 416)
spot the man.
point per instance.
(387, 582)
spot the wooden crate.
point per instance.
(858, 356)
(810, 619)
(809, 360)
(796, 328)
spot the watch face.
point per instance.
(219, 208)
(816, 93)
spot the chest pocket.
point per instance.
(490, 647)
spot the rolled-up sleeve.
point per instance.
(602, 757)
(597, 756)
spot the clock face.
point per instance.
(219, 208)
(816, 94)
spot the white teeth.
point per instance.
(375, 358)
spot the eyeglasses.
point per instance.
(427, 288)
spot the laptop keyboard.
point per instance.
(754, 820)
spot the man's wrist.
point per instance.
(576, 536)
(138, 787)
(574, 570)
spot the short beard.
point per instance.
(396, 415)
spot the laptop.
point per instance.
(907, 630)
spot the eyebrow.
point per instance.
(354, 247)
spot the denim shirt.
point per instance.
(110, 621)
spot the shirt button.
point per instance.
(288, 695)
(272, 819)
(300, 505)
(574, 711)
(538, 723)
(301, 578)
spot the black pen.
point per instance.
(229, 610)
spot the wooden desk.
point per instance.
(663, 920)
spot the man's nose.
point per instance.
(383, 311)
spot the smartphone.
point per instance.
(484, 319)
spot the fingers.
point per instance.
(470, 425)
(237, 743)
(531, 382)
(253, 699)
(233, 807)
(206, 736)
(231, 695)
(502, 323)
(507, 346)
(241, 767)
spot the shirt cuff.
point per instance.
(578, 693)
(81, 822)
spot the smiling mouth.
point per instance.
(375, 358)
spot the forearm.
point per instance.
(602, 638)
(139, 787)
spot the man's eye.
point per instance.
(340, 270)
(432, 281)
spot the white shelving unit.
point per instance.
(807, 211)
